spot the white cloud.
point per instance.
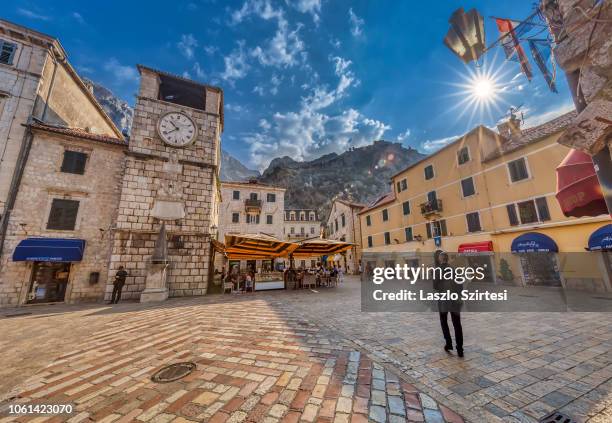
(120, 72)
(310, 132)
(210, 50)
(78, 17)
(308, 6)
(236, 66)
(356, 23)
(234, 108)
(430, 146)
(198, 70)
(258, 89)
(32, 15)
(187, 45)
(404, 135)
(545, 116)
(275, 81)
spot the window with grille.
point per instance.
(429, 172)
(406, 207)
(473, 222)
(463, 155)
(542, 206)
(527, 212)
(74, 162)
(235, 217)
(7, 52)
(63, 214)
(518, 170)
(467, 187)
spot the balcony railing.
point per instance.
(252, 206)
(431, 207)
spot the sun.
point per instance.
(483, 88)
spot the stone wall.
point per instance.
(98, 192)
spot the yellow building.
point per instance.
(487, 193)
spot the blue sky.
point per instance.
(301, 77)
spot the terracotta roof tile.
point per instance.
(79, 133)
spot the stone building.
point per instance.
(38, 82)
(171, 176)
(343, 225)
(302, 224)
(251, 207)
(54, 137)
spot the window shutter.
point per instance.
(542, 206)
(512, 217)
(406, 207)
(399, 187)
(443, 227)
(428, 227)
(63, 214)
(408, 234)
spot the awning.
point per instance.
(601, 239)
(578, 190)
(321, 247)
(49, 249)
(256, 246)
(533, 242)
(476, 247)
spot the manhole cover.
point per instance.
(556, 417)
(173, 372)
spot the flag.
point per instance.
(510, 31)
(540, 51)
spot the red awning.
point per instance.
(578, 190)
(476, 247)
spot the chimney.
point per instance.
(511, 128)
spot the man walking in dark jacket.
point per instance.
(118, 284)
(449, 306)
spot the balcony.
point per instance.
(252, 206)
(431, 207)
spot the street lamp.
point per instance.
(466, 36)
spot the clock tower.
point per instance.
(171, 178)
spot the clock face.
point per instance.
(176, 129)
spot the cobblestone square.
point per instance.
(302, 356)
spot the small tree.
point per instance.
(505, 271)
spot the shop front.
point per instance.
(537, 254)
(600, 243)
(479, 254)
(51, 260)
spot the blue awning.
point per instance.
(532, 242)
(601, 239)
(49, 249)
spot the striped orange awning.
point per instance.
(321, 247)
(256, 246)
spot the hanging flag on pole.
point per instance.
(541, 52)
(511, 31)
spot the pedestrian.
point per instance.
(118, 284)
(340, 275)
(448, 306)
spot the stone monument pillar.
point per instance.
(156, 287)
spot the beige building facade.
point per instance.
(302, 224)
(250, 208)
(343, 224)
(483, 195)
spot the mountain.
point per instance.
(359, 174)
(233, 170)
(118, 110)
(122, 114)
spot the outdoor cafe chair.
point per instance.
(228, 285)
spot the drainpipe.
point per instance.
(22, 159)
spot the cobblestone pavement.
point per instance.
(256, 361)
(289, 356)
